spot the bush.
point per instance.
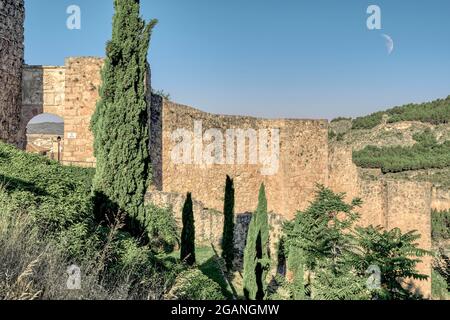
(439, 287)
(425, 154)
(162, 229)
(440, 225)
(194, 285)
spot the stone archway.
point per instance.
(70, 92)
(43, 91)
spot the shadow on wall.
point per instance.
(155, 146)
(32, 99)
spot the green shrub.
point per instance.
(192, 284)
(162, 228)
(439, 287)
(425, 154)
(440, 225)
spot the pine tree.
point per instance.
(120, 123)
(228, 226)
(188, 233)
(256, 253)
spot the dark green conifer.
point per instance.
(228, 226)
(256, 253)
(120, 123)
(188, 233)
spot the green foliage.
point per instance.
(435, 112)
(162, 94)
(335, 254)
(425, 154)
(187, 253)
(340, 119)
(57, 197)
(228, 227)
(192, 284)
(256, 253)
(319, 241)
(439, 287)
(331, 134)
(161, 228)
(440, 225)
(120, 121)
(397, 256)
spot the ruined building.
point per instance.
(304, 156)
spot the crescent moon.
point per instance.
(389, 43)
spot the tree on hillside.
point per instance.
(256, 253)
(188, 234)
(228, 226)
(120, 122)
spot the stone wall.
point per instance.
(209, 222)
(43, 91)
(12, 14)
(387, 203)
(70, 92)
(82, 83)
(302, 161)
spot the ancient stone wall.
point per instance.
(302, 160)
(43, 91)
(70, 92)
(12, 13)
(387, 203)
(209, 222)
(440, 199)
(82, 83)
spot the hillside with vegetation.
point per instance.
(406, 142)
(410, 142)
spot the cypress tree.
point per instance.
(120, 123)
(228, 226)
(188, 233)
(256, 253)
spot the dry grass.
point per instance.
(33, 267)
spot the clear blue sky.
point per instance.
(272, 58)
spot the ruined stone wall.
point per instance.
(43, 91)
(82, 83)
(302, 161)
(387, 203)
(409, 208)
(209, 222)
(12, 14)
(70, 92)
(440, 199)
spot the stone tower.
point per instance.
(12, 14)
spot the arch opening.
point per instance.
(45, 136)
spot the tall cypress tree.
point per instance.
(188, 233)
(120, 123)
(228, 226)
(256, 253)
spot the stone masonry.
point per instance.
(12, 14)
